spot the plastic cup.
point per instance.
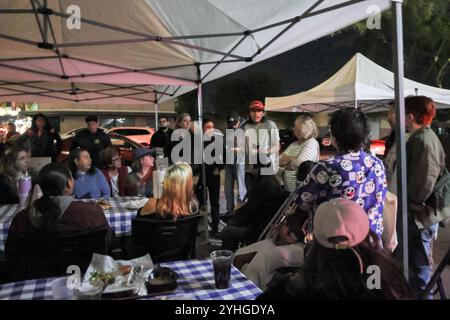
(221, 260)
(61, 291)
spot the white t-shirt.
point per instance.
(115, 185)
(267, 137)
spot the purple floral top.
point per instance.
(359, 177)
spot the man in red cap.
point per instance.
(263, 144)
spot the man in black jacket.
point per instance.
(92, 138)
(212, 174)
(161, 138)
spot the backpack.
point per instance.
(436, 208)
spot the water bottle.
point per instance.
(24, 188)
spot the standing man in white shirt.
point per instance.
(262, 144)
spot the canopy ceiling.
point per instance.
(170, 44)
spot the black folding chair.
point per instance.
(165, 240)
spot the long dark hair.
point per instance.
(8, 162)
(47, 126)
(75, 154)
(335, 274)
(52, 180)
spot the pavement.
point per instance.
(440, 248)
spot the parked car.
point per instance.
(73, 132)
(326, 149)
(126, 147)
(142, 135)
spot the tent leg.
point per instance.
(402, 225)
(203, 174)
(156, 116)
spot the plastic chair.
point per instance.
(165, 240)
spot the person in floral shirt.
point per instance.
(352, 174)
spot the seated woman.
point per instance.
(12, 165)
(340, 265)
(247, 223)
(305, 149)
(90, 183)
(140, 181)
(113, 170)
(55, 213)
(177, 196)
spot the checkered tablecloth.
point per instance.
(195, 282)
(118, 215)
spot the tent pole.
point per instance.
(200, 121)
(402, 221)
(156, 116)
(203, 174)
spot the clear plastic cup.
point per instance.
(221, 260)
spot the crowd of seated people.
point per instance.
(334, 235)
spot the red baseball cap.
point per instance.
(256, 105)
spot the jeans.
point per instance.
(234, 173)
(420, 255)
(213, 185)
(240, 172)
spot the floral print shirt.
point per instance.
(358, 176)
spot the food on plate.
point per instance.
(104, 204)
(124, 269)
(101, 278)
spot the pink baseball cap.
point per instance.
(340, 218)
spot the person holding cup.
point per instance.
(15, 178)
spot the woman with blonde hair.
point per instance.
(305, 149)
(177, 198)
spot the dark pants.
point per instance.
(250, 180)
(213, 185)
(235, 232)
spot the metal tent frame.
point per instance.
(42, 12)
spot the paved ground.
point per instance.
(440, 248)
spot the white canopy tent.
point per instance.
(171, 44)
(174, 45)
(360, 82)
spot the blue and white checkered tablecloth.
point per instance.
(118, 216)
(195, 282)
